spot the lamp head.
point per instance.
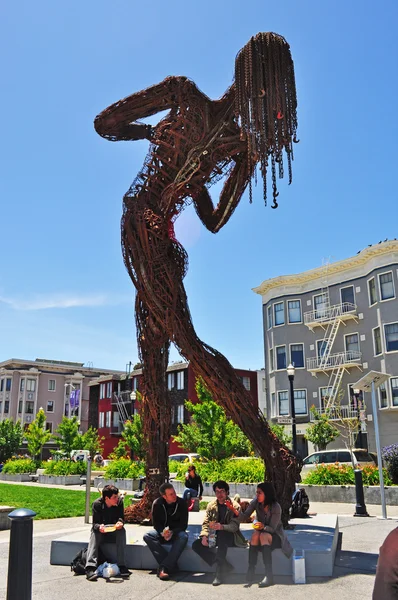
(290, 370)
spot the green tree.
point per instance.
(11, 436)
(91, 441)
(321, 432)
(210, 432)
(133, 437)
(68, 437)
(284, 437)
(36, 435)
(120, 451)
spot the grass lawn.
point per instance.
(48, 503)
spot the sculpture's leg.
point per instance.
(153, 345)
(228, 390)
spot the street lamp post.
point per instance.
(290, 374)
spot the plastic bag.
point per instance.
(108, 570)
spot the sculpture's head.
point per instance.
(266, 103)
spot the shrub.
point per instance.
(21, 465)
(124, 469)
(233, 471)
(338, 474)
(64, 467)
(390, 457)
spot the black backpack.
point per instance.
(300, 504)
(78, 564)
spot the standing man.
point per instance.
(386, 582)
(108, 527)
(220, 520)
(170, 520)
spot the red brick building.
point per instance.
(112, 400)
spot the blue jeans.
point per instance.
(189, 492)
(156, 542)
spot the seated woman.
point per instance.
(193, 486)
(268, 532)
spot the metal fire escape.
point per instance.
(332, 364)
(122, 401)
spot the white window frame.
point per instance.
(306, 402)
(392, 397)
(108, 389)
(8, 379)
(301, 312)
(369, 298)
(50, 389)
(22, 384)
(270, 320)
(170, 381)
(274, 315)
(317, 342)
(276, 357)
(135, 383)
(385, 339)
(271, 360)
(180, 380)
(20, 406)
(53, 403)
(101, 420)
(359, 341)
(387, 398)
(393, 286)
(314, 304)
(273, 405)
(323, 387)
(344, 288)
(108, 418)
(374, 341)
(290, 354)
(180, 413)
(102, 391)
(288, 403)
(31, 383)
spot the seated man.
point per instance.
(170, 520)
(107, 510)
(220, 519)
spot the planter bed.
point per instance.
(346, 493)
(245, 490)
(15, 477)
(60, 479)
(129, 485)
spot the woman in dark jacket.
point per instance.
(268, 531)
(193, 485)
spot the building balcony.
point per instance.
(338, 413)
(341, 359)
(321, 317)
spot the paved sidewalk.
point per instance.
(352, 579)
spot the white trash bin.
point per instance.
(298, 566)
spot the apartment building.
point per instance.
(113, 399)
(59, 387)
(334, 323)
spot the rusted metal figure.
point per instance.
(197, 142)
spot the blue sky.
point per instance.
(64, 291)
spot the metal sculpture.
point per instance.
(196, 143)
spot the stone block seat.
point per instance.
(5, 522)
(317, 536)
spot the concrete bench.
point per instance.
(317, 536)
(5, 522)
(35, 476)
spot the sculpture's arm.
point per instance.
(117, 121)
(234, 187)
